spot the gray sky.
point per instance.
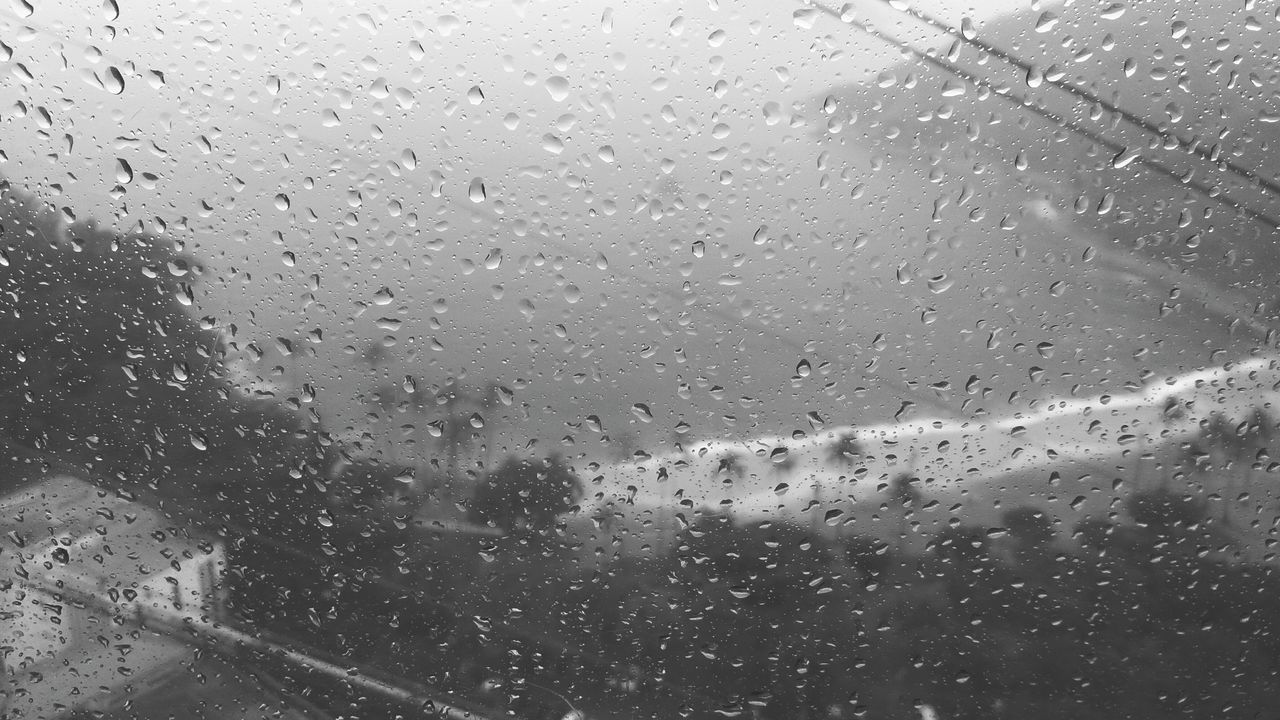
(657, 218)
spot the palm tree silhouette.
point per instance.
(904, 496)
(845, 450)
(731, 465)
(490, 402)
(1255, 437)
(1173, 412)
(1226, 447)
(457, 426)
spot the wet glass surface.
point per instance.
(642, 360)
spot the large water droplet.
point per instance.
(114, 81)
(939, 284)
(447, 24)
(1113, 11)
(557, 88)
(124, 173)
(1046, 22)
(493, 259)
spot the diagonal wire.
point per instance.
(1193, 145)
(1056, 119)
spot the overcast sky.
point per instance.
(596, 205)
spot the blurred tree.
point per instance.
(731, 465)
(869, 557)
(1174, 527)
(523, 494)
(845, 450)
(106, 366)
(1031, 531)
(362, 509)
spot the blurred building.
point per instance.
(92, 587)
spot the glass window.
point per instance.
(563, 360)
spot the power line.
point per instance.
(1056, 119)
(1193, 146)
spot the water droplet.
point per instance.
(282, 202)
(572, 294)
(557, 88)
(110, 10)
(383, 296)
(552, 144)
(475, 95)
(1125, 157)
(114, 82)
(476, 191)
(493, 259)
(447, 24)
(124, 173)
(1113, 11)
(641, 411)
(939, 284)
(199, 442)
(1035, 76)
